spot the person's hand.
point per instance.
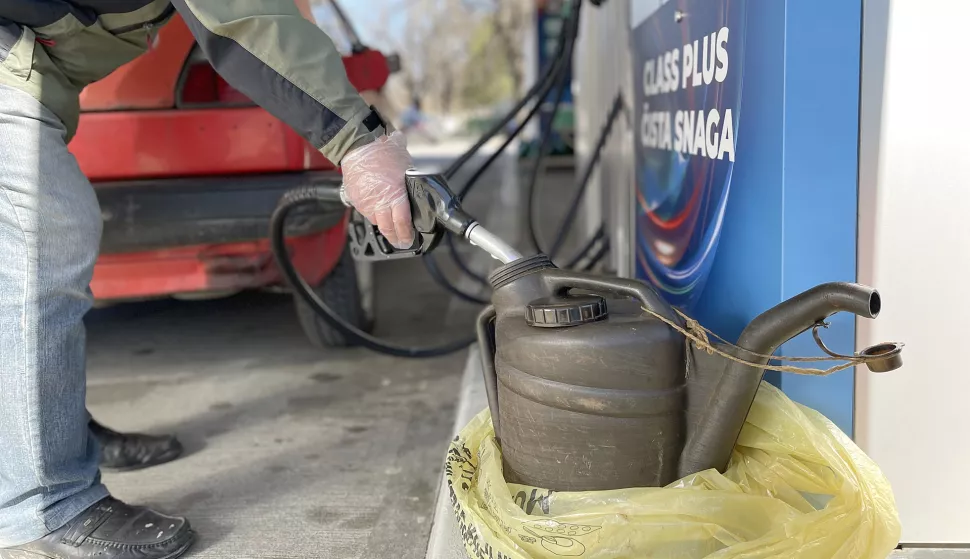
(374, 185)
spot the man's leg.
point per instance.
(49, 235)
(51, 496)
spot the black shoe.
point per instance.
(132, 451)
(111, 529)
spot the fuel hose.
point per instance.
(555, 74)
(538, 91)
(311, 196)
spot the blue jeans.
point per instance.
(50, 229)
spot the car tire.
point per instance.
(341, 292)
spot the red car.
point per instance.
(188, 171)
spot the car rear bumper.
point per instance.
(159, 214)
(209, 235)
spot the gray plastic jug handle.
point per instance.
(486, 349)
(561, 281)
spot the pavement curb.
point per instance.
(444, 542)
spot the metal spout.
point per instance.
(713, 439)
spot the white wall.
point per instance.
(914, 234)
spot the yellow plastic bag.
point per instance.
(796, 487)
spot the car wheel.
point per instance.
(341, 291)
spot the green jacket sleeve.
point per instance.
(286, 64)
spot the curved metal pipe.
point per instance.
(711, 442)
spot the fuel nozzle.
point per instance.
(434, 210)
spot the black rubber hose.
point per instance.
(539, 90)
(312, 196)
(431, 264)
(603, 251)
(494, 131)
(450, 241)
(546, 136)
(477, 175)
(441, 280)
(560, 78)
(544, 142)
(460, 262)
(587, 173)
(557, 73)
(599, 234)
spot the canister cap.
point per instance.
(559, 312)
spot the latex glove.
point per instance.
(374, 184)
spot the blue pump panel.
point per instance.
(746, 142)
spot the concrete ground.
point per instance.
(291, 451)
